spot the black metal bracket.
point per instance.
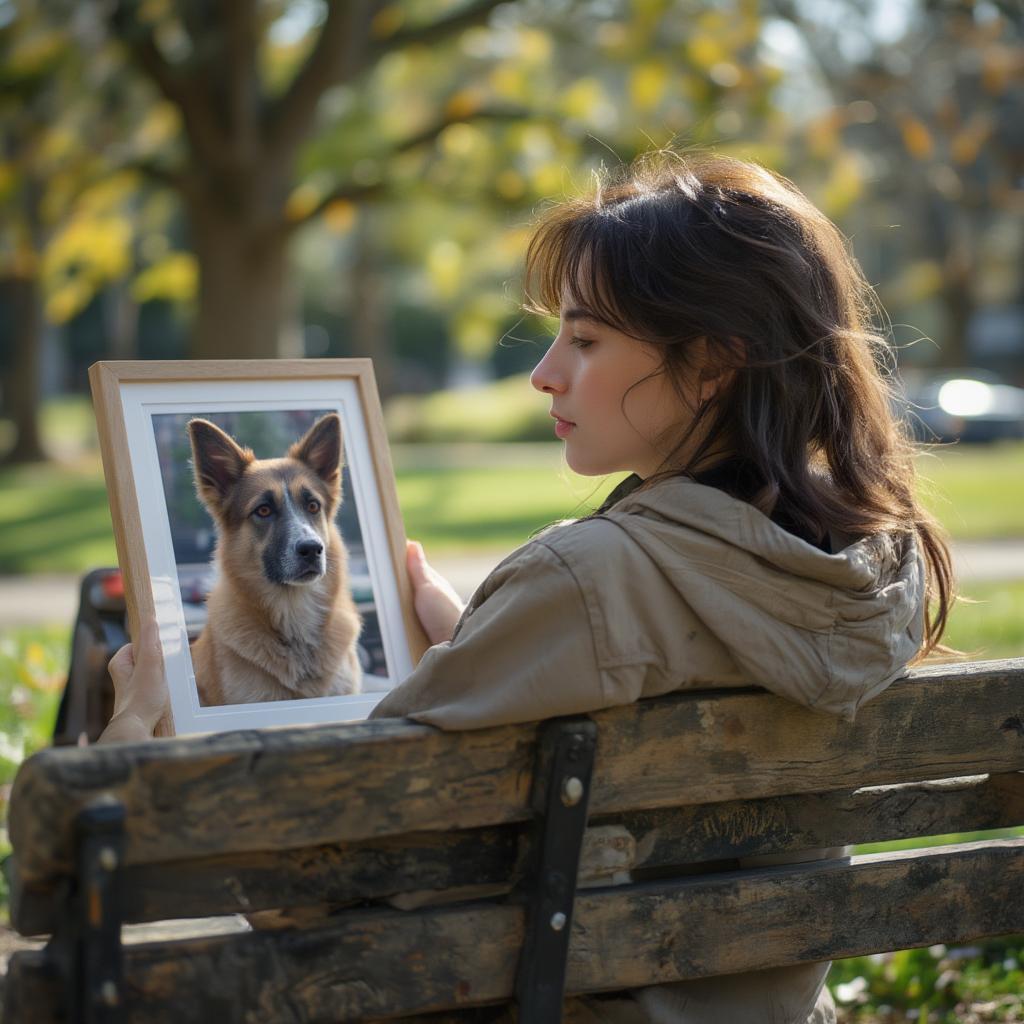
(560, 798)
(87, 940)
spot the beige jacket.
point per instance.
(677, 586)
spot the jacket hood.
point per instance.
(828, 630)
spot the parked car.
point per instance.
(972, 406)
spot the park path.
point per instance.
(44, 599)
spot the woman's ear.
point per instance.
(717, 363)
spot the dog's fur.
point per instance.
(281, 621)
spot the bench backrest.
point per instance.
(243, 822)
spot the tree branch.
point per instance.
(353, 193)
(200, 127)
(343, 193)
(344, 50)
(242, 95)
(158, 174)
(472, 14)
(290, 118)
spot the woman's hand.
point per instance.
(141, 700)
(437, 605)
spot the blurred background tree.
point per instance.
(927, 107)
(261, 177)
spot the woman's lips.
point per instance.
(563, 428)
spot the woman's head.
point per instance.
(761, 322)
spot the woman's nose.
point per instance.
(546, 376)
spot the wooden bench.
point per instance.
(354, 815)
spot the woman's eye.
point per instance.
(263, 511)
(312, 507)
(581, 342)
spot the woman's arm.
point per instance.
(525, 652)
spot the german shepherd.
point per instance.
(281, 623)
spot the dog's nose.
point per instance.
(309, 549)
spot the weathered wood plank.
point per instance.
(750, 828)
(292, 788)
(641, 840)
(383, 963)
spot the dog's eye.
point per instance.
(312, 506)
(263, 511)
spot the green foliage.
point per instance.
(989, 621)
(54, 519)
(936, 985)
(509, 410)
(976, 491)
(33, 667)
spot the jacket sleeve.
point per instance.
(523, 653)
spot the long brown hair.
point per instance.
(678, 248)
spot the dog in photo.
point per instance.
(281, 623)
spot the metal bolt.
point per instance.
(109, 994)
(557, 921)
(572, 791)
(108, 858)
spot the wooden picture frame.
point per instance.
(142, 412)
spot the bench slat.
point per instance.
(383, 963)
(487, 857)
(294, 788)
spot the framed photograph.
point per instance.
(256, 518)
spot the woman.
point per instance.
(714, 341)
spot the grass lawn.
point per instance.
(461, 498)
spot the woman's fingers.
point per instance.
(416, 564)
(438, 606)
(121, 665)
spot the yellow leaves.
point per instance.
(475, 326)
(966, 143)
(152, 12)
(174, 278)
(823, 133)
(548, 178)
(8, 180)
(66, 300)
(920, 280)
(510, 184)
(90, 251)
(464, 103)
(705, 52)
(160, 126)
(583, 98)
(100, 243)
(387, 21)
(444, 267)
(340, 216)
(845, 183)
(1001, 65)
(301, 202)
(647, 85)
(462, 140)
(535, 46)
(510, 82)
(917, 139)
(38, 669)
(34, 53)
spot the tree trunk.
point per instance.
(24, 380)
(958, 290)
(371, 334)
(241, 287)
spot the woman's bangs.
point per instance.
(566, 261)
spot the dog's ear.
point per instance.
(320, 449)
(219, 462)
